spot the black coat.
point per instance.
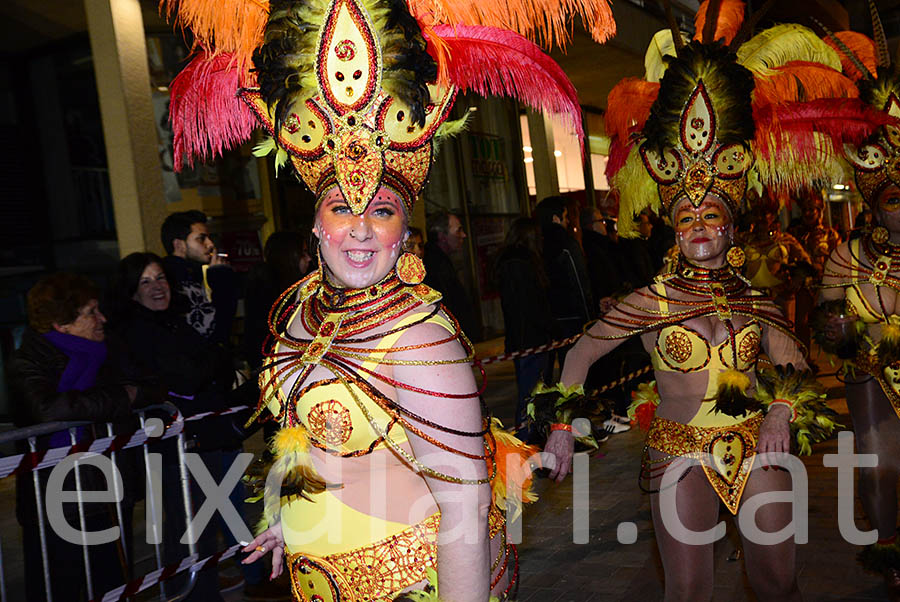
(440, 274)
(570, 289)
(196, 373)
(602, 264)
(211, 317)
(35, 371)
(527, 319)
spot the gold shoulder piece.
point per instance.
(425, 293)
(308, 286)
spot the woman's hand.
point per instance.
(562, 445)
(774, 436)
(270, 540)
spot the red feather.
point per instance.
(206, 114)
(496, 62)
(628, 106)
(790, 129)
(618, 154)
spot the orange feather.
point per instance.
(222, 26)
(801, 81)
(546, 22)
(628, 107)
(731, 17)
(861, 46)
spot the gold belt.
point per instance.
(374, 573)
(726, 453)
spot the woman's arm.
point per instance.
(588, 349)
(775, 430)
(463, 544)
(579, 359)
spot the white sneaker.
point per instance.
(615, 427)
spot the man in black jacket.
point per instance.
(445, 237)
(571, 299)
(185, 237)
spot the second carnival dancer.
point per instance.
(687, 151)
(859, 319)
(386, 456)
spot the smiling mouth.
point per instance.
(359, 256)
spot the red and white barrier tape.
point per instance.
(624, 379)
(524, 352)
(167, 572)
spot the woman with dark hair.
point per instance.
(197, 376)
(62, 371)
(527, 318)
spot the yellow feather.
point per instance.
(637, 191)
(660, 47)
(784, 43)
(734, 378)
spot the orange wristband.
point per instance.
(784, 402)
(558, 426)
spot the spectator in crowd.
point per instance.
(287, 260)
(523, 297)
(207, 298)
(206, 295)
(63, 372)
(415, 243)
(445, 238)
(599, 252)
(197, 374)
(570, 289)
(636, 254)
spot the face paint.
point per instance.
(360, 250)
(703, 233)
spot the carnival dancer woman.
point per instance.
(717, 418)
(859, 318)
(384, 456)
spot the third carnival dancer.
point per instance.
(688, 147)
(386, 457)
(859, 318)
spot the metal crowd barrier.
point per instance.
(37, 459)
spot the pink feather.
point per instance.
(206, 114)
(497, 62)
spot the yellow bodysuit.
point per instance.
(724, 444)
(337, 552)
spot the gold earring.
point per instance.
(735, 257)
(880, 235)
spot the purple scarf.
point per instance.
(85, 359)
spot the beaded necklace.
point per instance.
(720, 292)
(342, 320)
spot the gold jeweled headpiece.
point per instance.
(700, 163)
(350, 131)
(877, 164)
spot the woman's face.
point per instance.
(889, 208)
(704, 233)
(415, 246)
(88, 325)
(153, 289)
(360, 250)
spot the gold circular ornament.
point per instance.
(410, 269)
(880, 235)
(736, 257)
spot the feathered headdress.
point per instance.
(877, 161)
(774, 110)
(353, 92)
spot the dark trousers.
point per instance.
(529, 370)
